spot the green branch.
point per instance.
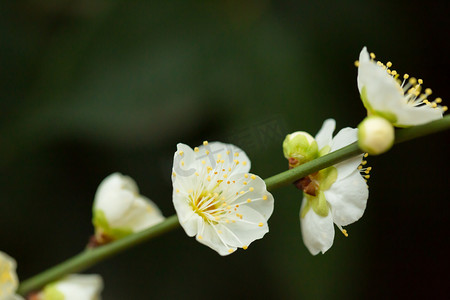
(88, 258)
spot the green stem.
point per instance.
(91, 257)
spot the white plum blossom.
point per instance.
(216, 199)
(8, 278)
(120, 210)
(73, 287)
(335, 195)
(400, 101)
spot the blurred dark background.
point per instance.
(93, 87)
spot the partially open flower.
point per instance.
(335, 195)
(73, 287)
(216, 199)
(120, 210)
(8, 278)
(402, 101)
(375, 135)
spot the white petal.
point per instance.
(254, 190)
(383, 92)
(184, 162)
(325, 134)
(348, 198)
(411, 116)
(317, 231)
(8, 276)
(115, 195)
(77, 287)
(208, 235)
(141, 214)
(118, 198)
(249, 226)
(187, 217)
(228, 152)
(344, 137)
(348, 166)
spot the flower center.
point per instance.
(309, 184)
(208, 205)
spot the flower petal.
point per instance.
(208, 235)
(411, 116)
(247, 225)
(187, 217)
(184, 162)
(227, 152)
(381, 90)
(75, 287)
(8, 276)
(348, 198)
(142, 213)
(317, 231)
(118, 198)
(115, 195)
(325, 134)
(345, 137)
(250, 191)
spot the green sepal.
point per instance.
(391, 117)
(99, 220)
(319, 204)
(365, 101)
(327, 177)
(325, 150)
(300, 148)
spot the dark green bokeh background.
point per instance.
(93, 87)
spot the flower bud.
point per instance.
(375, 135)
(73, 287)
(300, 147)
(120, 210)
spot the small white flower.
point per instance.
(402, 102)
(8, 278)
(216, 199)
(73, 287)
(337, 194)
(120, 210)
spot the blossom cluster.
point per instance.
(225, 207)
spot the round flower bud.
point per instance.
(300, 147)
(375, 135)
